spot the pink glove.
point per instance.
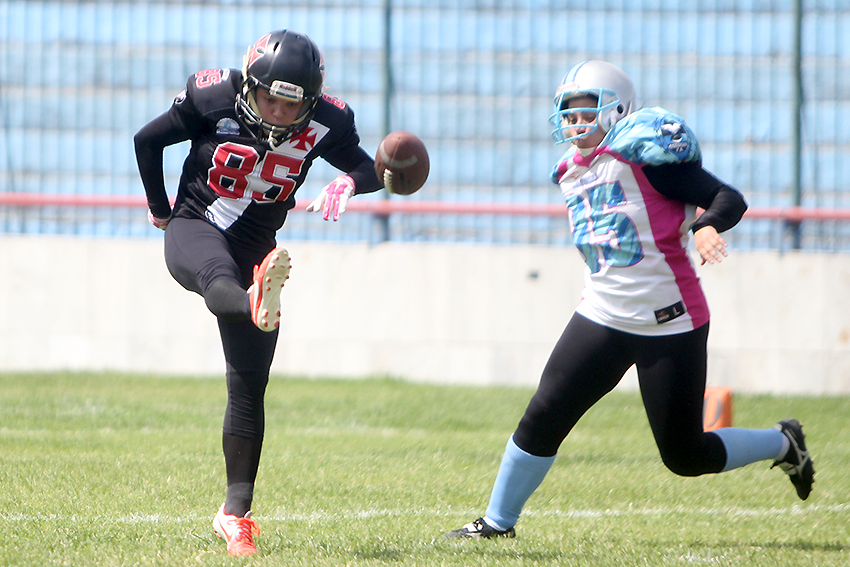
(159, 223)
(334, 198)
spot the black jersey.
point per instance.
(241, 185)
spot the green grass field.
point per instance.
(101, 469)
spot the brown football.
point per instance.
(402, 163)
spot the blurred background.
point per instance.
(470, 280)
(765, 84)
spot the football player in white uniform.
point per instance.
(633, 181)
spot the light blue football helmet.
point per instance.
(614, 92)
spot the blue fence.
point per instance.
(474, 79)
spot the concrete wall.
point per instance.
(465, 314)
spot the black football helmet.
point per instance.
(288, 65)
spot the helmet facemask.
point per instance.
(264, 130)
(611, 88)
(564, 129)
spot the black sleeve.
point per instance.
(691, 183)
(364, 176)
(167, 129)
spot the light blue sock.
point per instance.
(745, 446)
(520, 474)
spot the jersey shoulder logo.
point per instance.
(227, 127)
(674, 138)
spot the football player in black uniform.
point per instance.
(254, 135)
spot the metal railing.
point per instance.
(473, 78)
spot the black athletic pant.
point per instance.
(202, 260)
(589, 360)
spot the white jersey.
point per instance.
(639, 277)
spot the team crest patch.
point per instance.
(227, 127)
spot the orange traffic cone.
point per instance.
(717, 408)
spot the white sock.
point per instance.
(745, 446)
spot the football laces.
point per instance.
(388, 180)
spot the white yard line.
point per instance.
(322, 515)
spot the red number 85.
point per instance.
(238, 171)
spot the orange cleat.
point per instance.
(264, 293)
(238, 532)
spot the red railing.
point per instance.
(389, 206)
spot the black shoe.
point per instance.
(797, 463)
(480, 528)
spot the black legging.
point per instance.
(201, 259)
(589, 360)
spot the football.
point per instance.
(402, 163)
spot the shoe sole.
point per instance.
(268, 281)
